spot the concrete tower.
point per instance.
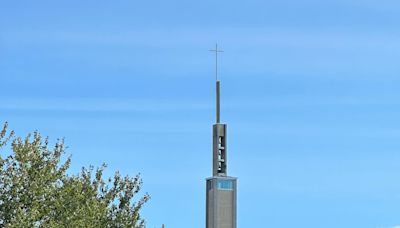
(220, 188)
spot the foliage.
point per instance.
(36, 191)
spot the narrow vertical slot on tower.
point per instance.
(221, 156)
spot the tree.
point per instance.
(36, 191)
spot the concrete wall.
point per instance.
(220, 204)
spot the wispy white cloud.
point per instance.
(137, 105)
(100, 105)
(257, 37)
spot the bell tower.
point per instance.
(220, 188)
(219, 141)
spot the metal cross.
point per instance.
(216, 60)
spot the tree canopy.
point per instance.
(37, 191)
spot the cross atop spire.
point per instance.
(216, 60)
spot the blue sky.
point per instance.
(310, 92)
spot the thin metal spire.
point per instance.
(217, 102)
(217, 82)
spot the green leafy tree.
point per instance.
(36, 191)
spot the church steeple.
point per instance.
(220, 188)
(219, 130)
(219, 141)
